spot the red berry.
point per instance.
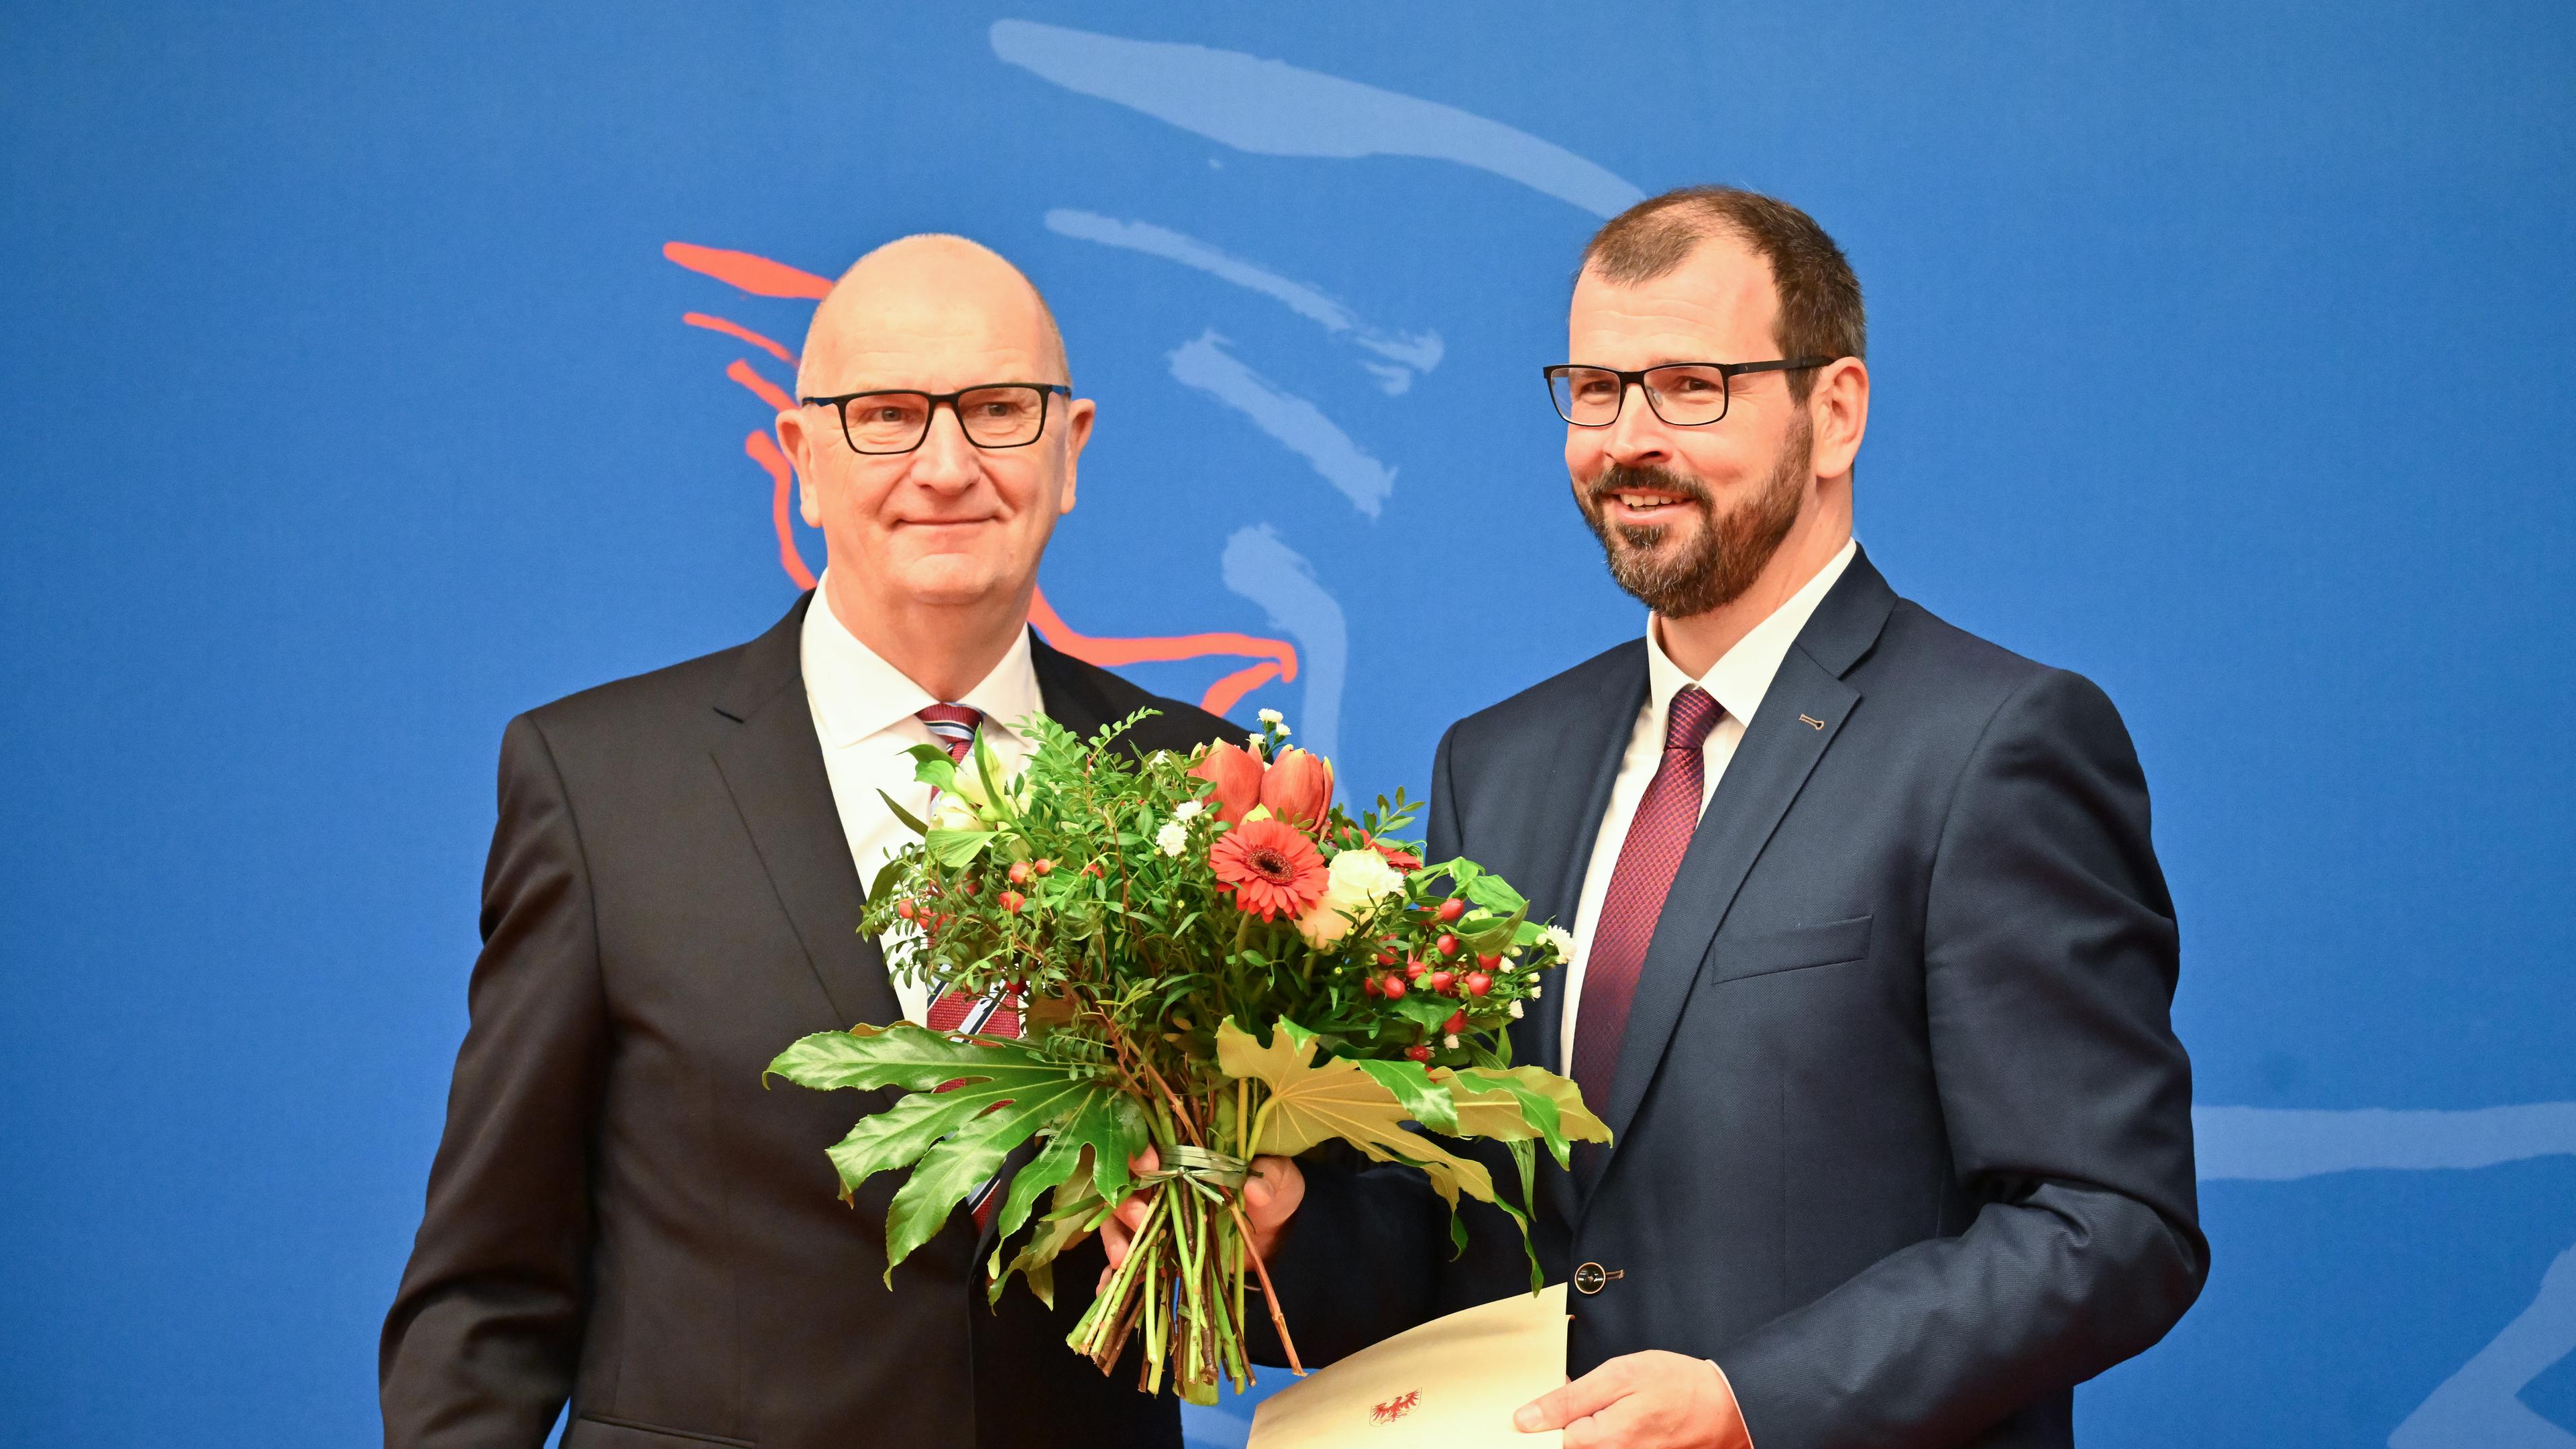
(906, 909)
(1395, 988)
(1441, 981)
(1489, 962)
(1012, 901)
(1478, 983)
(1451, 909)
(1019, 873)
(1455, 1024)
(1446, 945)
(1373, 986)
(1043, 866)
(1386, 958)
(1418, 1053)
(1413, 970)
(972, 885)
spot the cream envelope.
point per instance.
(1452, 1383)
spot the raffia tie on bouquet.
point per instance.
(1212, 1175)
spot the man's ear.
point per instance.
(794, 442)
(1839, 410)
(1078, 418)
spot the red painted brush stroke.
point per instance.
(736, 329)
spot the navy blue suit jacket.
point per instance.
(1903, 1131)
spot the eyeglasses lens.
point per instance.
(1002, 417)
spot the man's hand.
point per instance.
(1650, 1400)
(1270, 1195)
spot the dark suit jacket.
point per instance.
(1903, 1132)
(620, 1212)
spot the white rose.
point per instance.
(1188, 809)
(1353, 885)
(1172, 839)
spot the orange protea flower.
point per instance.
(1271, 867)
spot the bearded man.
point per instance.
(1873, 957)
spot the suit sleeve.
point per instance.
(484, 1335)
(2050, 956)
(1362, 1259)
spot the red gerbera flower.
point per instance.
(1271, 867)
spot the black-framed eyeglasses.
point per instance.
(1684, 394)
(895, 420)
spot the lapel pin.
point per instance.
(1811, 721)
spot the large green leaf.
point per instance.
(1428, 1103)
(997, 1095)
(1520, 1103)
(1338, 1099)
(1070, 1218)
(1112, 1125)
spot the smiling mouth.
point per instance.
(1648, 502)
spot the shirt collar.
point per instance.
(1743, 674)
(856, 693)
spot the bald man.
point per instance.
(619, 1216)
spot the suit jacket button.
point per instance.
(1592, 1276)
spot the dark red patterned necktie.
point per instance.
(1648, 859)
(954, 726)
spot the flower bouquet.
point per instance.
(1211, 958)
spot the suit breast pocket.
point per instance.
(1796, 949)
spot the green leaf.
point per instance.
(1312, 1103)
(1112, 1126)
(910, 821)
(1521, 1103)
(932, 766)
(885, 882)
(957, 848)
(953, 1140)
(1495, 894)
(1410, 1082)
(1070, 1218)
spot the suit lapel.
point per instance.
(1064, 689)
(1798, 721)
(773, 767)
(1586, 751)
(1574, 794)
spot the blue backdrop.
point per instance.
(375, 373)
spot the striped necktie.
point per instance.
(954, 726)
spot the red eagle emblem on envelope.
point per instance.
(1396, 1408)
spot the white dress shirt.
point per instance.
(866, 714)
(1738, 680)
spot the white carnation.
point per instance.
(1561, 939)
(1172, 839)
(1272, 717)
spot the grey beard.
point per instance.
(1729, 553)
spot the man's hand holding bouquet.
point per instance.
(1214, 962)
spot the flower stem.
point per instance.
(1268, 1295)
